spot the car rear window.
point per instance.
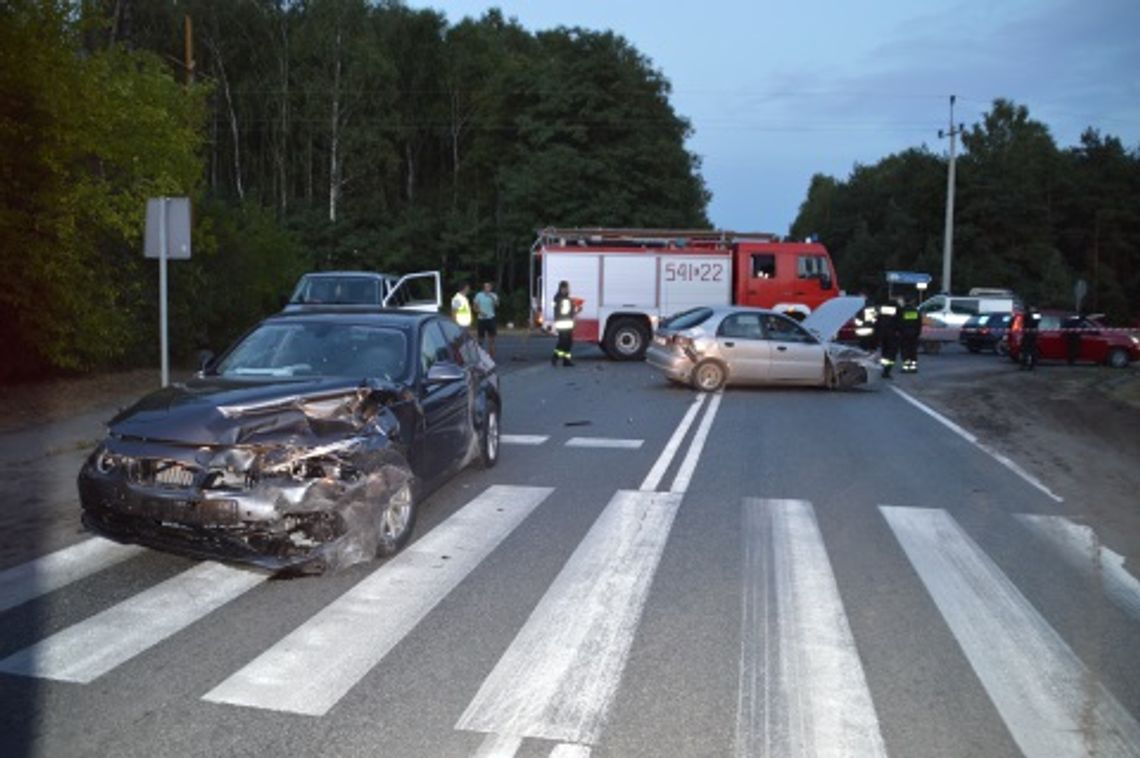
(687, 319)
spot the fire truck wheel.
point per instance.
(627, 340)
(709, 375)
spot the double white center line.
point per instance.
(558, 677)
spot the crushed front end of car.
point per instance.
(300, 482)
(851, 366)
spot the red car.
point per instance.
(1097, 343)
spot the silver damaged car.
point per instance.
(709, 347)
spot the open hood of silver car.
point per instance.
(826, 320)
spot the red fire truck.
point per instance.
(629, 279)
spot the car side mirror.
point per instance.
(444, 372)
(205, 361)
(824, 281)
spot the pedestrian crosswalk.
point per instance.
(801, 687)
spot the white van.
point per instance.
(943, 316)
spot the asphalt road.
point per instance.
(647, 572)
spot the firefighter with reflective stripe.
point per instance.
(461, 306)
(865, 326)
(887, 331)
(910, 327)
(563, 325)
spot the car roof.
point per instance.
(343, 274)
(355, 314)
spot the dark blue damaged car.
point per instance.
(307, 446)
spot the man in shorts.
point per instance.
(485, 304)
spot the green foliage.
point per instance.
(89, 138)
(1028, 216)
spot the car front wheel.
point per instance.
(1118, 358)
(397, 520)
(489, 438)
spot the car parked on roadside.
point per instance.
(986, 331)
(1097, 343)
(709, 347)
(309, 445)
(420, 291)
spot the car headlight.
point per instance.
(105, 461)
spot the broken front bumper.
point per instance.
(326, 519)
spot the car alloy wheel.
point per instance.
(396, 521)
(490, 438)
(709, 376)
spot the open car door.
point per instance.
(421, 291)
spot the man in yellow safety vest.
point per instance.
(461, 306)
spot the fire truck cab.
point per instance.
(631, 279)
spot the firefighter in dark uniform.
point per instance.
(910, 328)
(887, 331)
(563, 325)
(1030, 322)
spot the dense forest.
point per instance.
(326, 134)
(1029, 216)
(321, 134)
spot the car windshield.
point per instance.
(353, 290)
(318, 348)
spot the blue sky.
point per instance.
(778, 91)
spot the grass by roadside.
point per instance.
(24, 406)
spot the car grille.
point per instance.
(161, 473)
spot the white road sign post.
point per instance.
(167, 237)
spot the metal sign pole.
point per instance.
(162, 253)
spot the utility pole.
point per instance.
(188, 49)
(948, 239)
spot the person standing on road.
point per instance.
(485, 304)
(563, 325)
(461, 306)
(887, 330)
(910, 328)
(1030, 321)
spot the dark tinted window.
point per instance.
(433, 346)
(464, 349)
(688, 319)
(763, 266)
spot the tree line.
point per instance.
(1029, 216)
(312, 134)
(321, 134)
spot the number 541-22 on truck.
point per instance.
(630, 279)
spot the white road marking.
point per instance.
(802, 687)
(696, 447)
(605, 442)
(1051, 703)
(972, 439)
(28, 581)
(1083, 550)
(523, 439)
(566, 750)
(312, 668)
(559, 675)
(91, 648)
(666, 458)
